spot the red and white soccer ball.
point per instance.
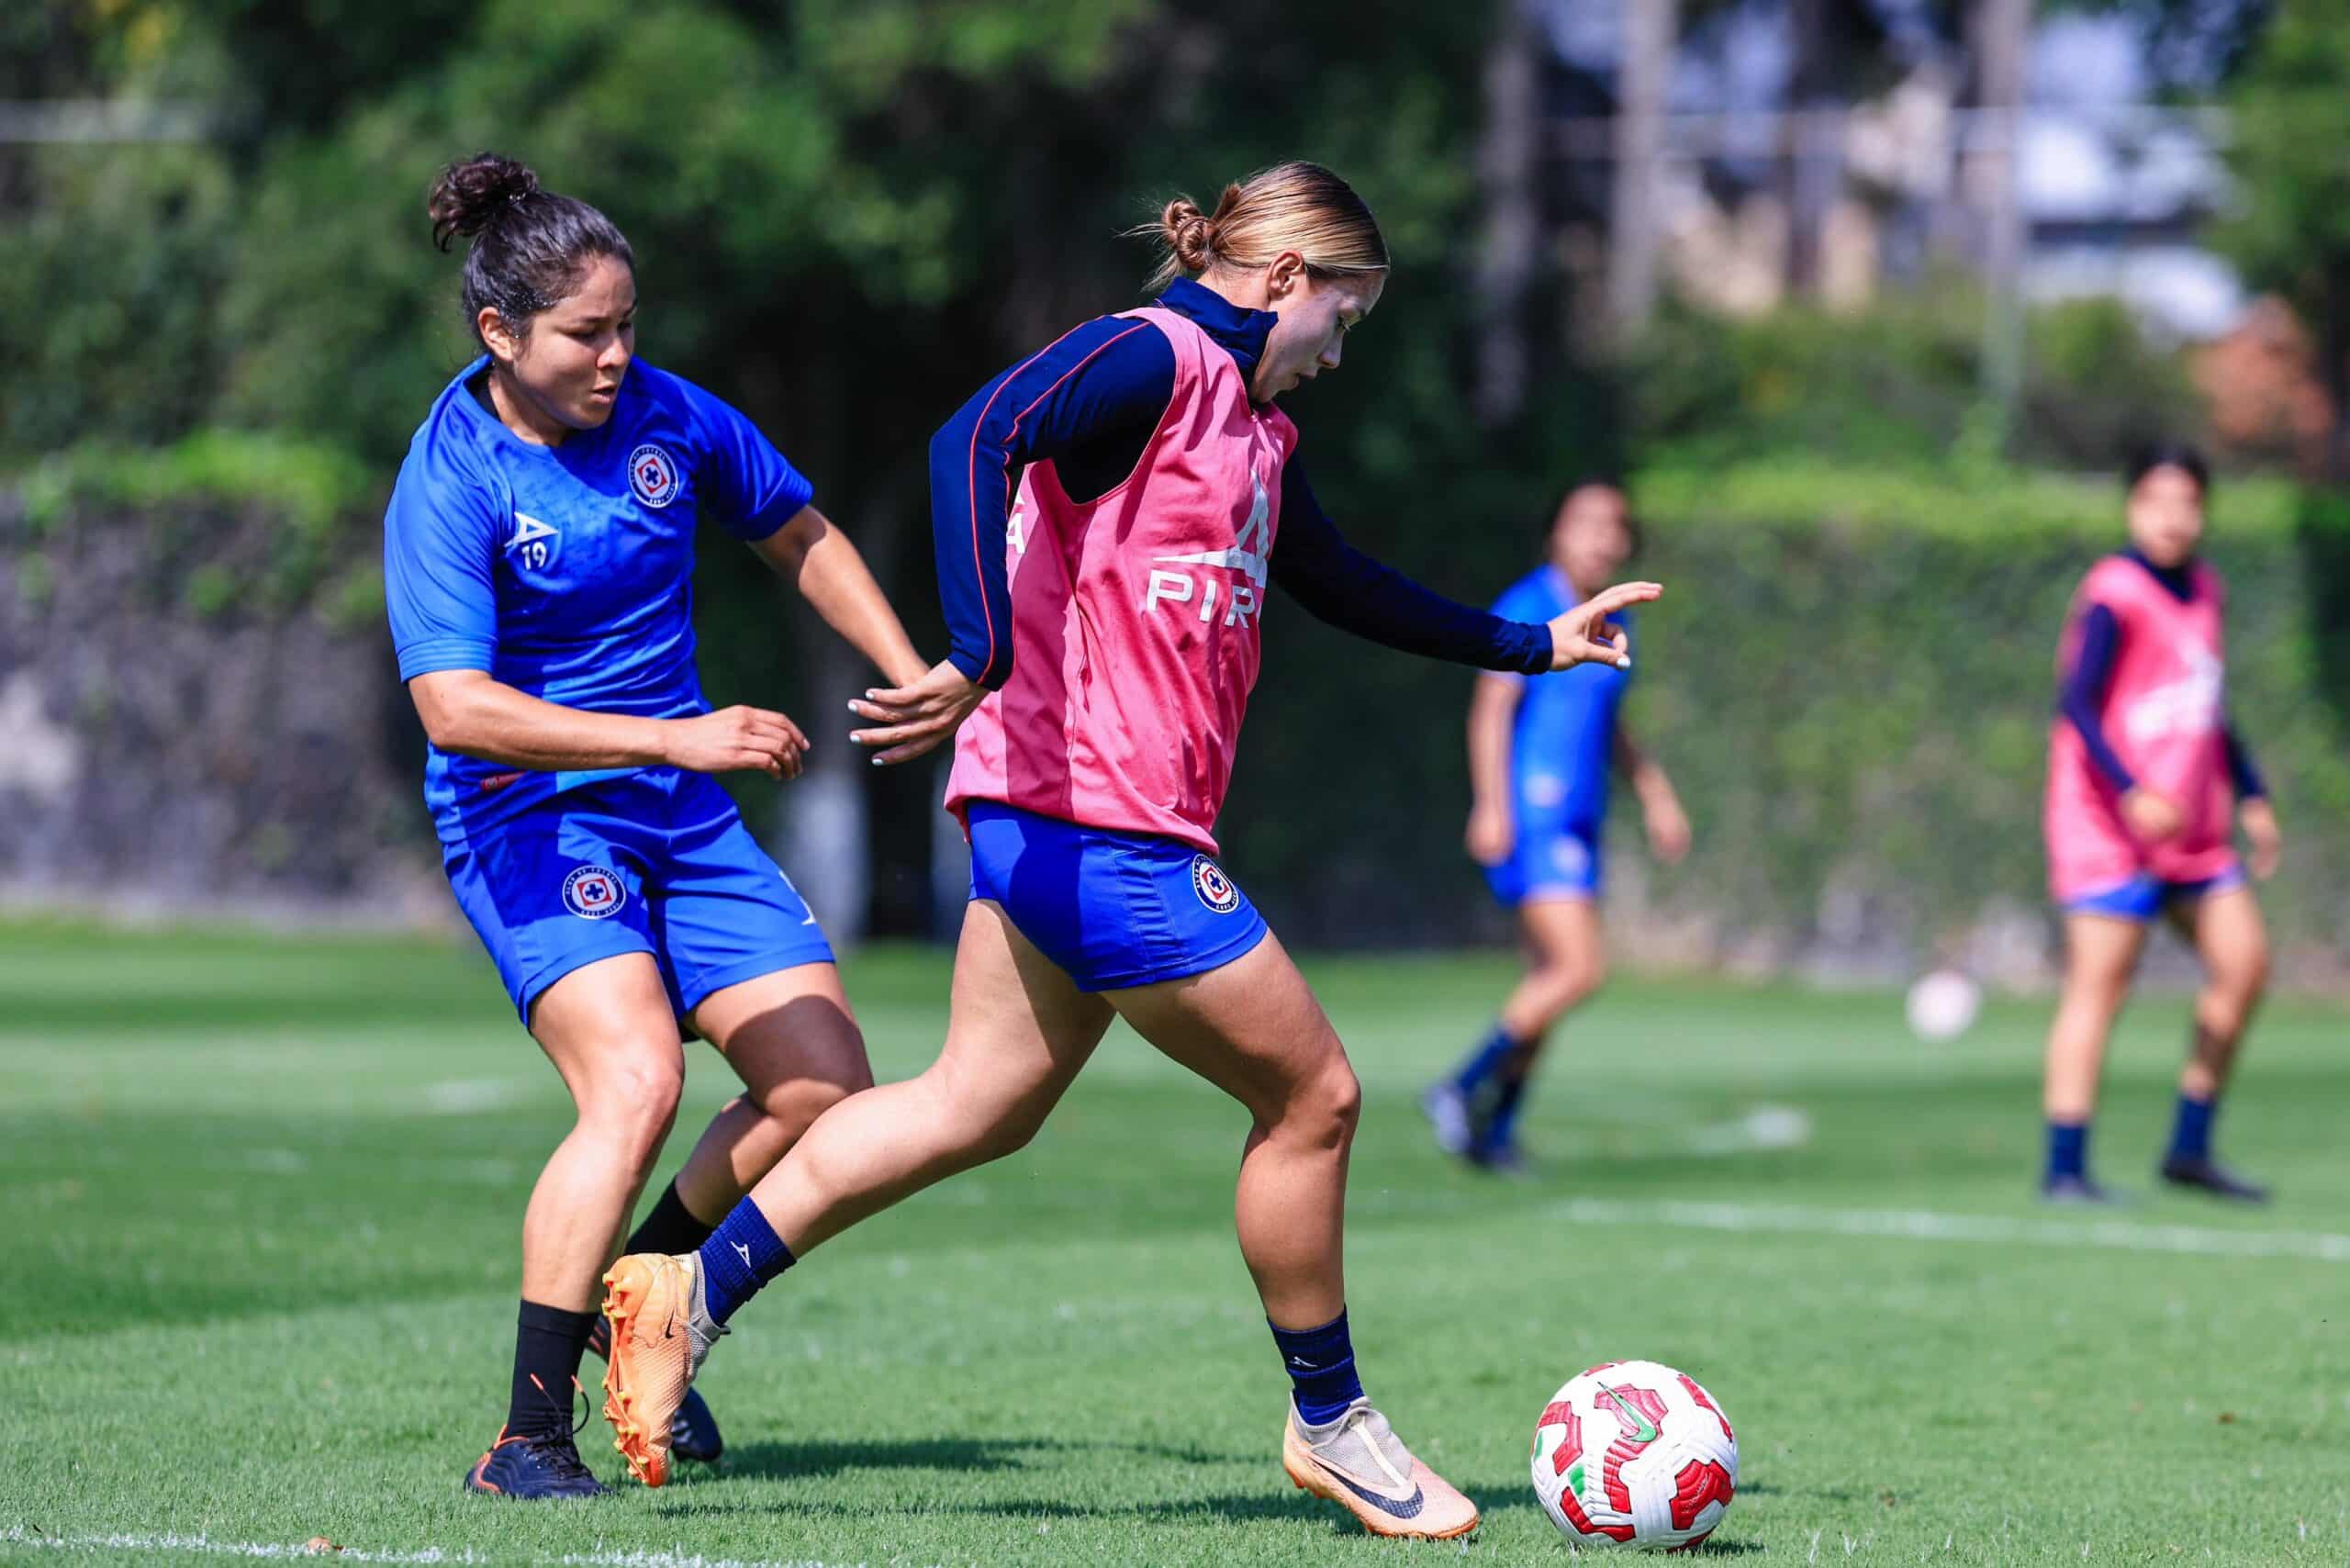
(1635, 1454)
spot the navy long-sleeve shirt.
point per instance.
(1090, 402)
(2083, 696)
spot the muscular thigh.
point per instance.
(1253, 1027)
(2228, 931)
(792, 1023)
(608, 1028)
(1562, 933)
(1018, 1030)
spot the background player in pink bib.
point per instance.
(1109, 515)
(2145, 774)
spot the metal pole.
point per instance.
(2005, 35)
(1643, 82)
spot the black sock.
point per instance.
(548, 1343)
(670, 1228)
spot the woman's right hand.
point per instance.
(2152, 817)
(1491, 835)
(736, 740)
(910, 720)
(1582, 634)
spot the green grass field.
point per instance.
(261, 1199)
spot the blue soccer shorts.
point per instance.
(1549, 861)
(658, 862)
(1113, 909)
(2145, 895)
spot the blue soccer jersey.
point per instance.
(567, 571)
(1563, 743)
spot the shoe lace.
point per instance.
(557, 1451)
(587, 1409)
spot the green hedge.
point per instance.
(1850, 678)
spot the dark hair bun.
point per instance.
(472, 195)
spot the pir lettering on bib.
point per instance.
(1250, 546)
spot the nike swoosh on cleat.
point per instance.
(1405, 1508)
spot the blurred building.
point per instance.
(1778, 178)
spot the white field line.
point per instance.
(145, 1542)
(1926, 1224)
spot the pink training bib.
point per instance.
(1134, 618)
(2164, 714)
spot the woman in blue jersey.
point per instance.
(1540, 751)
(538, 552)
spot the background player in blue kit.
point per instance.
(1539, 749)
(538, 553)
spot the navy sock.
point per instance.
(741, 1256)
(548, 1343)
(671, 1227)
(1501, 1127)
(2068, 1150)
(1484, 1061)
(1321, 1363)
(2191, 1134)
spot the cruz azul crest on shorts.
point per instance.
(592, 892)
(1215, 888)
(653, 474)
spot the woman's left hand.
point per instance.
(1582, 634)
(1668, 827)
(2259, 819)
(913, 719)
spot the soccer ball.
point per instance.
(1633, 1453)
(1942, 1005)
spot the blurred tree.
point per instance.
(848, 213)
(2290, 232)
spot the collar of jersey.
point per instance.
(2179, 579)
(461, 389)
(1237, 329)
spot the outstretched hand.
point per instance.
(911, 720)
(736, 739)
(1584, 634)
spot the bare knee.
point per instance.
(1561, 985)
(796, 1103)
(976, 1119)
(632, 1106)
(2226, 1006)
(1324, 1108)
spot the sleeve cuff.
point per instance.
(974, 668)
(780, 509)
(438, 653)
(1539, 649)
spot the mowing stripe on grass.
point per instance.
(15, 1536)
(1926, 1224)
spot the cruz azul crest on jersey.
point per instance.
(1252, 546)
(591, 892)
(534, 545)
(1215, 888)
(653, 474)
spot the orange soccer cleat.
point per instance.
(661, 1333)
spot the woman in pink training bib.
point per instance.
(2145, 774)
(1110, 515)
